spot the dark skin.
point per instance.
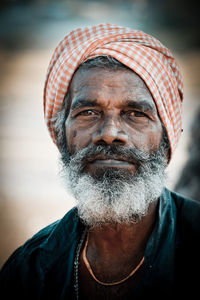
(113, 107)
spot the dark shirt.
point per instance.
(43, 268)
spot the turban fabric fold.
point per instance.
(142, 53)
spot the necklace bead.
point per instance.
(76, 264)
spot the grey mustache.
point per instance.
(117, 152)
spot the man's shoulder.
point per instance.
(187, 214)
(45, 238)
(48, 251)
(42, 237)
(188, 208)
(187, 241)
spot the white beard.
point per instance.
(117, 201)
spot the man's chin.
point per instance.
(109, 173)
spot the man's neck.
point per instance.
(120, 245)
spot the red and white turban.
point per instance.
(142, 53)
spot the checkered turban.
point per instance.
(142, 53)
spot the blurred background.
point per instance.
(31, 194)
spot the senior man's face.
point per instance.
(112, 127)
(111, 108)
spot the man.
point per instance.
(112, 103)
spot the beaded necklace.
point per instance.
(76, 264)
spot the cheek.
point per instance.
(154, 138)
(139, 141)
(76, 139)
(147, 140)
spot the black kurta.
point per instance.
(43, 267)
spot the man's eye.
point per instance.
(88, 112)
(136, 114)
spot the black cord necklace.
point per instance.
(76, 264)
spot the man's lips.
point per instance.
(113, 162)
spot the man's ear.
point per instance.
(167, 154)
(166, 144)
(58, 122)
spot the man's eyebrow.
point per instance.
(142, 104)
(79, 103)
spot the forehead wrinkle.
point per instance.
(88, 94)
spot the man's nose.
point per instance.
(109, 133)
